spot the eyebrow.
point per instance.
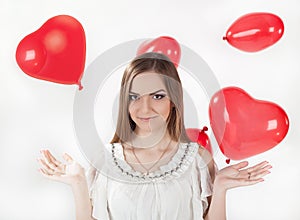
(161, 90)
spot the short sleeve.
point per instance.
(97, 191)
(206, 182)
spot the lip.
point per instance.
(146, 119)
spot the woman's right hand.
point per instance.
(69, 172)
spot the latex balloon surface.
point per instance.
(200, 136)
(165, 45)
(55, 52)
(255, 31)
(244, 126)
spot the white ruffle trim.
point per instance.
(179, 163)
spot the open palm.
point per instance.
(54, 169)
(238, 175)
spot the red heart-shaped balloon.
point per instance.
(199, 136)
(55, 52)
(244, 126)
(255, 31)
(165, 45)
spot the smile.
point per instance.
(146, 119)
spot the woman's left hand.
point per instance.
(238, 175)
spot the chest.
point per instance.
(144, 200)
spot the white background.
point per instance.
(36, 114)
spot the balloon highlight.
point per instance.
(55, 52)
(255, 31)
(244, 126)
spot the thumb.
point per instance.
(240, 165)
(67, 158)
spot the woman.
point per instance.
(152, 170)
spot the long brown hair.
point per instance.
(158, 63)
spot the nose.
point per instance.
(145, 104)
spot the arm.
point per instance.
(217, 206)
(83, 204)
(218, 199)
(72, 174)
(229, 177)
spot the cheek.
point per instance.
(168, 111)
(165, 109)
(131, 109)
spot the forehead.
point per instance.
(147, 82)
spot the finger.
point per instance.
(45, 166)
(49, 176)
(240, 165)
(59, 166)
(43, 172)
(255, 170)
(50, 170)
(247, 182)
(261, 169)
(52, 158)
(260, 174)
(258, 166)
(48, 160)
(68, 158)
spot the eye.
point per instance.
(159, 96)
(133, 97)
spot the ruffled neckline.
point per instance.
(177, 165)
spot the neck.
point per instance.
(156, 138)
(157, 142)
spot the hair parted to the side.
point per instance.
(161, 64)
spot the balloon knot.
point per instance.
(224, 38)
(227, 161)
(80, 86)
(204, 128)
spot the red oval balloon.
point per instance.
(199, 136)
(244, 126)
(255, 31)
(165, 45)
(55, 52)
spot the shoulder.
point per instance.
(91, 173)
(208, 159)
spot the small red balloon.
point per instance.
(55, 52)
(244, 126)
(165, 45)
(255, 31)
(199, 136)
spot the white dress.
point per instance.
(177, 191)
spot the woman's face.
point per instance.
(149, 103)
